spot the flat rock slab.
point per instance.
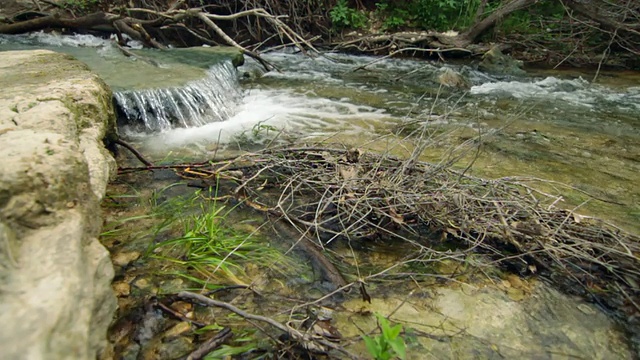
(55, 300)
(489, 322)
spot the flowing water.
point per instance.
(556, 125)
(192, 105)
(156, 90)
(551, 125)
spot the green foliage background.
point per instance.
(439, 15)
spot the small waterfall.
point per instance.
(213, 98)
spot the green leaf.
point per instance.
(393, 332)
(399, 348)
(211, 327)
(373, 347)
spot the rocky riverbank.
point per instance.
(56, 300)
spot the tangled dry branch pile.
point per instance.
(334, 194)
(178, 19)
(594, 28)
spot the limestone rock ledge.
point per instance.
(55, 295)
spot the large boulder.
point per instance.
(55, 295)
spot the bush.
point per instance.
(79, 5)
(427, 14)
(343, 16)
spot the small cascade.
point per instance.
(211, 99)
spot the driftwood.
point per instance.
(134, 151)
(55, 21)
(211, 344)
(335, 194)
(411, 43)
(313, 250)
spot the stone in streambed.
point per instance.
(125, 258)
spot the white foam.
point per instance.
(577, 92)
(194, 104)
(281, 109)
(76, 40)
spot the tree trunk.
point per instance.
(609, 21)
(55, 21)
(477, 29)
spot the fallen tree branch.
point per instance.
(329, 270)
(485, 24)
(293, 333)
(168, 310)
(396, 52)
(55, 21)
(607, 21)
(332, 195)
(202, 16)
(129, 53)
(187, 295)
(135, 152)
(211, 344)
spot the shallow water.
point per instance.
(551, 125)
(174, 67)
(555, 126)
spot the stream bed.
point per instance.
(556, 125)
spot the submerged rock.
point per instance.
(125, 258)
(56, 300)
(471, 322)
(451, 78)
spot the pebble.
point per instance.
(182, 307)
(177, 330)
(515, 281)
(124, 258)
(141, 283)
(121, 288)
(586, 309)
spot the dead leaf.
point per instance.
(347, 172)
(328, 157)
(397, 218)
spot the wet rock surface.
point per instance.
(57, 300)
(471, 322)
